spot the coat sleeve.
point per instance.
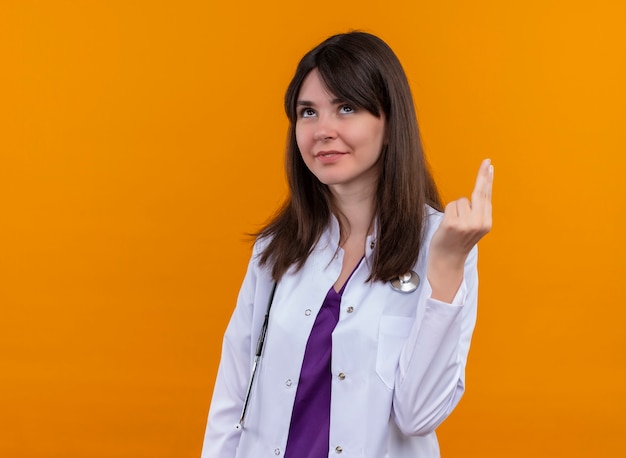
(430, 378)
(221, 437)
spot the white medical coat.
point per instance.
(398, 359)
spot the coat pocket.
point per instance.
(392, 334)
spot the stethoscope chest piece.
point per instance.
(406, 283)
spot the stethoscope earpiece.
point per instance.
(406, 283)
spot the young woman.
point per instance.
(375, 288)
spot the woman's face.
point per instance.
(339, 143)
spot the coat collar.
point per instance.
(329, 240)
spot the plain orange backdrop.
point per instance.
(141, 140)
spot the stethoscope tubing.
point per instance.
(257, 357)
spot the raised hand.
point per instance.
(464, 223)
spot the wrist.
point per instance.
(445, 275)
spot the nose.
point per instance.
(325, 128)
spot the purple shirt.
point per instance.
(310, 419)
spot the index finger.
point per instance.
(484, 184)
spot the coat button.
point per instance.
(372, 245)
(350, 309)
(276, 451)
(307, 312)
(338, 449)
(341, 376)
(288, 382)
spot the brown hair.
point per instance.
(362, 70)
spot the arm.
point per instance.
(431, 371)
(221, 438)
(430, 379)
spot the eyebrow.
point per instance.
(307, 103)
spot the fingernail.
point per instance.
(491, 170)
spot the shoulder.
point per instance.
(432, 213)
(260, 244)
(432, 220)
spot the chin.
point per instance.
(329, 181)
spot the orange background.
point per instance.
(141, 140)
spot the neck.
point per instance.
(356, 212)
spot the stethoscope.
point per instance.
(406, 283)
(257, 357)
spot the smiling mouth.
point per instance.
(328, 153)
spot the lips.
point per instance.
(329, 157)
(328, 154)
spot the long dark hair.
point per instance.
(360, 69)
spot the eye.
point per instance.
(307, 112)
(345, 109)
